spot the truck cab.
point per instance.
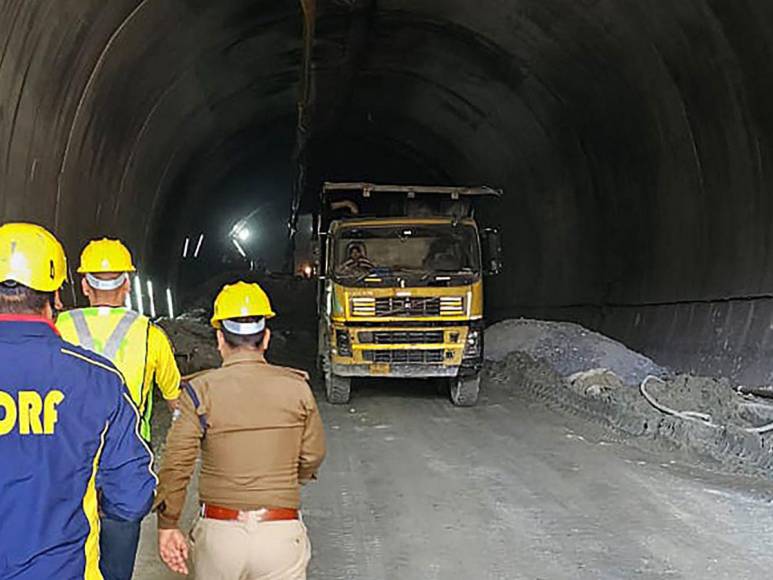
(402, 296)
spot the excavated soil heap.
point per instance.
(568, 348)
(293, 330)
(724, 441)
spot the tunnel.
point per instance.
(633, 141)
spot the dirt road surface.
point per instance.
(417, 489)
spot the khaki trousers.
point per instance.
(250, 550)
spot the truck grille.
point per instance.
(401, 337)
(407, 306)
(403, 356)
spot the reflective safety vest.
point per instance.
(124, 337)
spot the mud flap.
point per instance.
(464, 391)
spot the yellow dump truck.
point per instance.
(401, 285)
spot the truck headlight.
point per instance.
(363, 306)
(451, 305)
(472, 348)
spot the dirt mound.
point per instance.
(716, 399)
(293, 299)
(293, 330)
(704, 418)
(193, 340)
(568, 348)
(196, 347)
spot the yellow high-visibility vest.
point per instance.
(136, 346)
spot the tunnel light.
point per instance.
(170, 309)
(138, 295)
(198, 246)
(151, 300)
(244, 234)
(185, 247)
(239, 247)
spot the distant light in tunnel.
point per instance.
(151, 300)
(244, 234)
(239, 247)
(185, 247)
(198, 246)
(138, 295)
(170, 309)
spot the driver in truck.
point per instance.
(358, 258)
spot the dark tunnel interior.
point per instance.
(634, 141)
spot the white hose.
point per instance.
(691, 415)
(761, 429)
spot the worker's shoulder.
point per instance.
(198, 376)
(157, 334)
(288, 372)
(87, 361)
(64, 315)
(64, 320)
(200, 379)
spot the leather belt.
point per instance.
(262, 515)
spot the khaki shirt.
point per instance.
(264, 439)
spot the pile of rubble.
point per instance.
(568, 348)
(194, 341)
(583, 373)
(293, 331)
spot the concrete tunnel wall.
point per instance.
(634, 139)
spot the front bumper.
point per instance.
(451, 351)
(395, 370)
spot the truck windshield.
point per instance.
(421, 250)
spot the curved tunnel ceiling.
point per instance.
(633, 139)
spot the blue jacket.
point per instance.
(68, 430)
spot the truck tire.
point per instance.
(337, 389)
(464, 391)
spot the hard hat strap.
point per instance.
(107, 285)
(244, 328)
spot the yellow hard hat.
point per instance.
(32, 256)
(239, 300)
(103, 256)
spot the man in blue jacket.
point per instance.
(68, 429)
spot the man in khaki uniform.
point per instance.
(260, 436)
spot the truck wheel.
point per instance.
(464, 391)
(338, 389)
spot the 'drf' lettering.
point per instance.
(29, 413)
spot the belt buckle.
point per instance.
(260, 514)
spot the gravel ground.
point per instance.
(416, 489)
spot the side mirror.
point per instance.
(492, 251)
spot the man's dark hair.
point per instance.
(243, 340)
(20, 299)
(359, 246)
